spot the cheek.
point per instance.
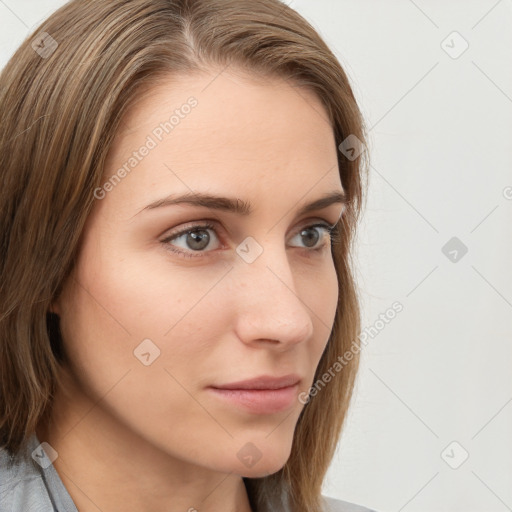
(120, 303)
(110, 314)
(325, 292)
(183, 310)
(320, 295)
(188, 314)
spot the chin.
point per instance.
(257, 461)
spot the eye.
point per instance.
(314, 239)
(197, 238)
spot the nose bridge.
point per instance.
(269, 305)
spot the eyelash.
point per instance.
(334, 238)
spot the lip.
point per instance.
(261, 395)
(263, 382)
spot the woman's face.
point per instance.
(152, 318)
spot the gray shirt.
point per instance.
(30, 486)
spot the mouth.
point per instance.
(259, 401)
(261, 395)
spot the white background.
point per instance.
(440, 135)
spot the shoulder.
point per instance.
(334, 505)
(22, 487)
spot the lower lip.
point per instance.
(260, 401)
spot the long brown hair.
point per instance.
(62, 96)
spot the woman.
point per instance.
(181, 183)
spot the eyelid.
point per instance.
(208, 224)
(203, 222)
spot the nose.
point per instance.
(269, 308)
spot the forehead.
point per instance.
(240, 131)
(230, 107)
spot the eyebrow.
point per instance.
(239, 206)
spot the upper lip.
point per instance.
(263, 382)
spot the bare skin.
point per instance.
(154, 438)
